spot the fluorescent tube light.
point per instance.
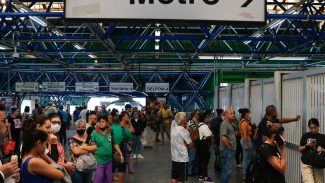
(288, 58)
(92, 56)
(78, 46)
(222, 57)
(34, 18)
(3, 47)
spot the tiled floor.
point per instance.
(156, 167)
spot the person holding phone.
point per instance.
(311, 142)
(272, 156)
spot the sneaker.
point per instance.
(207, 180)
(239, 166)
(140, 156)
(201, 178)
(133, 156)
(157, 140)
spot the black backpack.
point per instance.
(253, 169)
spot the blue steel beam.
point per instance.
(268, 16)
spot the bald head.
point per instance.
(230, 114)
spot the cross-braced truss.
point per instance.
(35, 38)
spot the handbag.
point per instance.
(86, 163)
(127, 144)
(9, 146)
(116, 159)
(314, 159)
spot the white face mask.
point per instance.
(55, 128)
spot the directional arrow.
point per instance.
(246, 3)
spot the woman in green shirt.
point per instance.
(102, 138)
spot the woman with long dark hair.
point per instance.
(246, 140)
(34, 169)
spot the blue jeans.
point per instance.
(246, 154)
(136, 145)
(228, 163)
(82, 177)
(192, 160)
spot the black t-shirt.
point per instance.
(138, 126)
(267, 172)
(319, 141)
(262, 129)
(15, 125)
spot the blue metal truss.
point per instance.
(52, 50)
(178, 80)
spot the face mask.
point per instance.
(80, 132)
(55, 128)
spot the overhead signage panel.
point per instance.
(157, 87)
(87, 87)
(53, 86)
(186, 10)
(26, 87)
(121, 87)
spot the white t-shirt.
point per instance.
(204, 131)
(173, 125)
(180, 137)
(83, 114)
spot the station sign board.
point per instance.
(53, 86)
(169, 10)
(87, 87)
(157, 87)
(121, 87)
(26, 87)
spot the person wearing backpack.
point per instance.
(121, 136)
(203, 147)
(215, 128)
(192, 127)
(245, 127)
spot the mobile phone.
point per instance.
(278, 139)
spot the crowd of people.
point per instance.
(259, 150)
(101, 149)
(106, 141)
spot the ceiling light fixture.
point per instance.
(77, 46)
(3, 47)
(38, 20)
(221, 57)
(289, 58)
